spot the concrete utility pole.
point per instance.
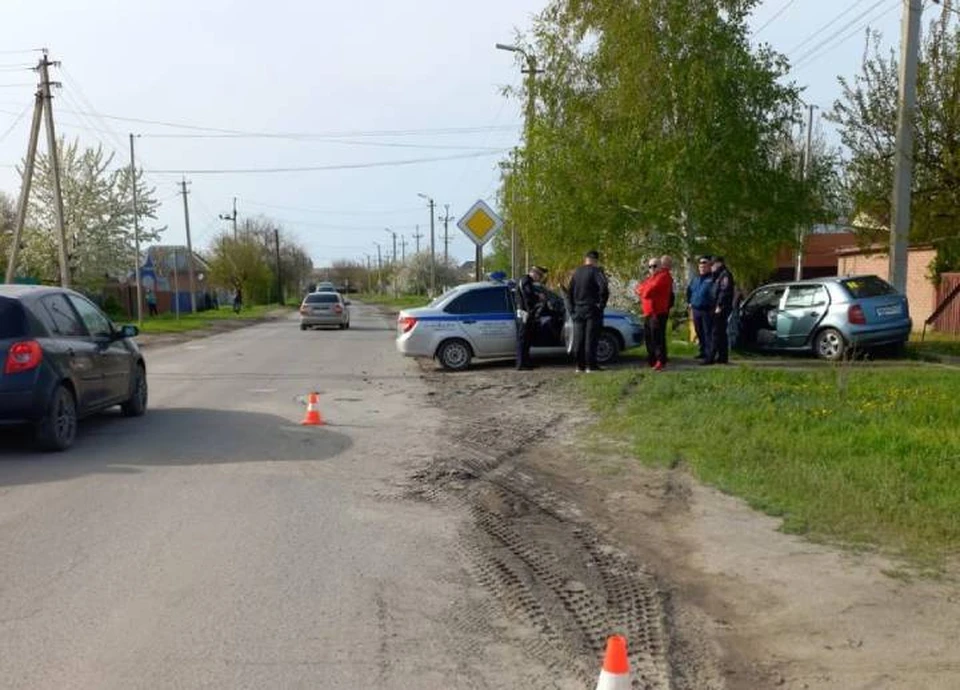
(416, 237)
(903, 163)
(394, 235)
(807, 149)
(446, 233)
(176, 283)
(433, 251)
(276, 244)
(403, 249)
(369, 275)
(136, 233)
(186, 221)
(232, 216)
(54, 168)
(25, 186)
(379, 269)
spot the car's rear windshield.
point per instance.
(323, 298)
(868, 286)
(13, 322)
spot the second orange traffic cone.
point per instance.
(616, 668)
(313, 417)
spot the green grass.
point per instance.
(934, 345)
(168, 323)
(848, 454)
(401, 302)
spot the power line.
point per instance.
(332, 212)
(15, 122)
(813, 57)
(843, 28)
(318, 168)
(774, 17)
(826, 26)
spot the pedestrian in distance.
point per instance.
(238, 300)
(152, 303)
(655, 294)
(530, 303)
(589, 292)
(721, 303)
(699, 303)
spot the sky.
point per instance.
(358, 83)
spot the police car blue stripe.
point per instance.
(468, 317)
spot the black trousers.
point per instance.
(719, 345)
(525, 334)
(587, 322)
(703, 325)
(655, 338)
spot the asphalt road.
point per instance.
(217, 543)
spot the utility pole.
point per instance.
(446, 234)
(433, 251)
(25, 186)
(369, 276)
(176, 284)
(903, 163)
(403, 250)
(807, 152)
(232, 216)
(379, 269)
(276, 244)
(136, 233)
(54, 167)
(416, 236)
(186, 220)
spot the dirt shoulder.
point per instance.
(580, 541)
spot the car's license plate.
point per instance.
(894, 310)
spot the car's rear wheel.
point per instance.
(136, 406)
(58, 428)
(830, 345)
(303, 327)
(455, 355)
(608, 348)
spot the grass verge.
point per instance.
(168, 323)
(934, 345)
(401, 302)
(846, 454)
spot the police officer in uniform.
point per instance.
(530, 302)
(721, 304)
(589, 293)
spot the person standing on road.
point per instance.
(530, 303)
(589, 293)
(238, 300)
(721, 303)
(699, 302)
(655, 294)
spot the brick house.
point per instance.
(921, 292)
(820, 258)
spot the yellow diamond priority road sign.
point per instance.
(480, 223)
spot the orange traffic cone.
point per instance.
(313, 417)
(615, 674)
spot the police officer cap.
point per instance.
(705, 259)
(592, 254)
(539, 269)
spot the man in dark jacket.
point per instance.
(530, 303)
(700, 302)
(721, 303)
(589, 293)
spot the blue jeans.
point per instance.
(703, 325)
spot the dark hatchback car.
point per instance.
(63, 360)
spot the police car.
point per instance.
(478, 320)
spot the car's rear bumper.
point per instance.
(17, 407)
(323, 320)
(413, 344)
(881, 335)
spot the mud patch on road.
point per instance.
(563, 586)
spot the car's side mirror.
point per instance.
(346, 302)
(128, 332)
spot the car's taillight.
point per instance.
(406, 323)
(855, 315)
(337, 309)
(23, 357)
(304, 309)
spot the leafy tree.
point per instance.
(867, 115)
(241, 263)
(98, 217)
(658, 129)
(8, 218)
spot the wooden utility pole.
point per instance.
(136, 232)
(25, 186)
(186, 221)
(903, 163)
(54, 167)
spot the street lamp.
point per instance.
(433, 259)
(531, 71)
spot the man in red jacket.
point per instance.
(655, 295)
